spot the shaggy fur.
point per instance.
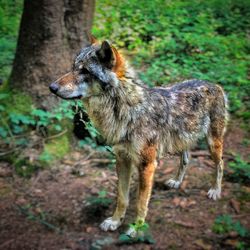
(143, 123)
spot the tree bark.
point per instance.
(51, 33)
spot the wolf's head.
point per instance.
(95, 69)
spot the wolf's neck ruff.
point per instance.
(115, 110)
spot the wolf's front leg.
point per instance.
(124, 170)
(146, 175)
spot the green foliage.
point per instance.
(24, 168)
(100, 200)
(176, 40)
(224, 224)
(19, 120)
(10, 16)
(241, 170)
(18, 115)
(39, 216)
(142, 234)
(55, 149)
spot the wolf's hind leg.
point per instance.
(124, 171)
(177, 180)
(216, 148)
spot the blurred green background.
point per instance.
(167, 40)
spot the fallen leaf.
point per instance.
(202, 244)
(104, 175)
(68, 162)
(21, 201)
(176, 201)
(90, 230)
(184, 185)
(168, 170)
(203, 193)
(231, 242)
(183, 203)
(208, 163)
(235, 205)
(191, 202)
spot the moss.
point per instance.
(25, 168)
(16, 101)
(64, 124)
(55, 150)
(19, 102)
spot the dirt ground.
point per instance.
(53, 209)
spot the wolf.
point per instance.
(142, 123)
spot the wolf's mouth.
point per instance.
(70, 98)
(54, 89)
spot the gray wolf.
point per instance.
(143, 123)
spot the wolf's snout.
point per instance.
(54, 87)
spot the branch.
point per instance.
(57, 135)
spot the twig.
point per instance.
(185, 224)
(57, 135)
(9, 152)
(237, 216)
(14, 137)
(6, 243)
(95, 161)
(206, 153)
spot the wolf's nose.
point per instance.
(53, 87)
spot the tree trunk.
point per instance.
(51, 33)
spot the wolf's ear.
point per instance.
(119, 65)
(105, 54)
(92, 39)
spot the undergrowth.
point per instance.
(174, 40)
(224, 224)
(241, 170)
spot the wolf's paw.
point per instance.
(172, 183)
(110, 224)
(131, 232)
(214, 193)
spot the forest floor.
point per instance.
(54, 208)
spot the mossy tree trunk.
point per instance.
(51, 33)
